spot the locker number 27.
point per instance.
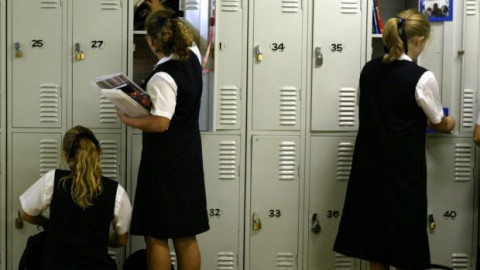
(96, 44)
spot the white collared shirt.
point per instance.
(38, 197)
(163, 89)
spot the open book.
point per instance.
(124, 93)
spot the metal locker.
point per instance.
(98, 47)
(471, 43)
(112, 156)
(36, 63)
(330, 164)
(230, 74)
(451, 192)
(275, 200)
(278, 64)
(221, 245)
(3, 123)
(35, 154)
(135, 151)
(336, 64)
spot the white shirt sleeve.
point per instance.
(122, 212)
(39, 196)
(163, 94)
(427, 95)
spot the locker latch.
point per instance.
(18, 50)
(318, 56)
(315, 224)
(431, 223)
(79, 55)
(19, 220)
(257, 223)
(259, 53)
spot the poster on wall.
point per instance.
(437, 10)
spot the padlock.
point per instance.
(257, 223)
(431, 223)
(315, 224)
(259, 53)
(18, 50)
(80, 55)
(19, 221)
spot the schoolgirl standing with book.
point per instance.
(170, 199)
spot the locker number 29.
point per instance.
(336, 47)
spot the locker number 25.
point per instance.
(37, 43)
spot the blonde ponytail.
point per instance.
(415, 25)
(83, 158)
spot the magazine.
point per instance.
(124, 93)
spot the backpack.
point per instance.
(33, 254)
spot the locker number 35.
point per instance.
(336, 47)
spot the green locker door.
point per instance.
(36, 66)
(100, 32)
(35, 154)
(275, 201)
(338, 35)
(221, 245)
(451, 192)
(278, 64)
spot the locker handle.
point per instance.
(318, 56)
(19, 220)
(431, 223)
(315, 224)
(18, 50)
(79, 55)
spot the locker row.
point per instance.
(278, 119)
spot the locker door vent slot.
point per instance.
(344, 160)
(291, 6)
(288, 106)
(346, 108)
(471, 7)
(230, 5)
(49, 103)
(468, 108)
(460, 261)
(227, 161)
(110, 5)
(192, 5)
(225, 260)
(50, 4)
(287, 161)
(48, 155)
(110, 159)
(285, 261)
(350, 6)
(173, 259)
(343, 262)
(463, 162)
(107, 111)
(229, 104)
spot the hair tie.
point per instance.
(401, 31)
(76, 143)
